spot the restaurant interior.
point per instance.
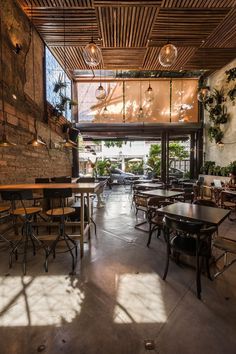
(96, 265)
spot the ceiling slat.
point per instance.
(131, 33)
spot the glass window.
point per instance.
(54, 75)
(173, 101)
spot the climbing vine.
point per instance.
(215, 106)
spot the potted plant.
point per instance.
(63, 101)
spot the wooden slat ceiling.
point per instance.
(132, 32)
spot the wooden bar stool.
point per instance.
(60, 213)
(26, 214)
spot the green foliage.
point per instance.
(232, 93)
(113, 143)
(215, 133)
(231, 74)
(209, 168)
(63, 100)
(103, 167)
(177, 150)
(134, 167)
(154, 159)
(217, 114)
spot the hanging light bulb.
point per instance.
(36, 141)
(100, 92)
(149, 94)
(4, 142)
(203, 94)
(92, 54)
(168, 55)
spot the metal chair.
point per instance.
(188, 238)
(156, 219)
(26, 214)
(60, 212)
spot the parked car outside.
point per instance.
(175, 173)
(119, 176)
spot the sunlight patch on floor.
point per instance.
(139, 299)
(38, 301)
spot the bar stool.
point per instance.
(27, 215)
(60, 213)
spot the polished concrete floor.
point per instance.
(117, 301)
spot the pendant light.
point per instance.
(140, 114)
(36, 141)
(168, 55)
(204, 93)
(149, 94)
(4, 142)
(100, 92)
(92, 53)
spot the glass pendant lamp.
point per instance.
(100, 92)
(168, 55)
(92, 54)
(149, 93)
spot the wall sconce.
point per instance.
(17, 48)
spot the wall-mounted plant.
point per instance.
(217, 114)
(232, 94)
(231, 74)
(63, 101)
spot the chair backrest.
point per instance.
(42, 180)
(53, 193)
(186, 227)
(86, 180)
(17, 195)
(62, 179)
(205, 202)
(24, 194)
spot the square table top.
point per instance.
(194, 212)
(165, 193)
(150, 185)
(77, 187)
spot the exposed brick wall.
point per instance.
(23, 163)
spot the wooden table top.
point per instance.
(77, 187)
(228, 191)
(193, 212)
(150, 185)
(162, 193)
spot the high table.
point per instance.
(165, 193)
(194, 212)
(82, 188)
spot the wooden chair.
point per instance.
(188, 238)
(228, 247)
(156, 219)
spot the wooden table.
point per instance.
(194, 212)
(165, 193)
(150, 185)
(82, 188)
